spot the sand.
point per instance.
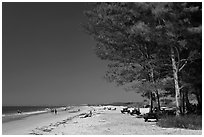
(101, 122)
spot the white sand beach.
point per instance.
(102, 122)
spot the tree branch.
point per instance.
(183, 60)
(181, 87)
(183, 65)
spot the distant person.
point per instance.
(90, 114)
(55, 111)
(19, 112)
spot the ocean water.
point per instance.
(10, 113)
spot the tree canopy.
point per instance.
(148, 42)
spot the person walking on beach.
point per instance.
(55, 111)
(90, 114)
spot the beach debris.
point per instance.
(68, 119)
(34, 133)
(57, 124)
(47, 129)
(51, 124)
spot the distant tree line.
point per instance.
(153, 48)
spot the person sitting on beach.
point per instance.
(87, 115)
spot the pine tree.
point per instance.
(150, 35)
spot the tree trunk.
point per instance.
(158, 101)
(151, 97)
(151, 103)
(183, 102)
(187, 102)
(200, 102)
(199, 99)
(176, 84)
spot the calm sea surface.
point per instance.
(10, 113)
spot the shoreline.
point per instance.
(11, 118)
(26, 124)
(18, 116)
(101, 122)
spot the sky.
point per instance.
(48, 59)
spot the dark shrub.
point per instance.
(187, 121)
